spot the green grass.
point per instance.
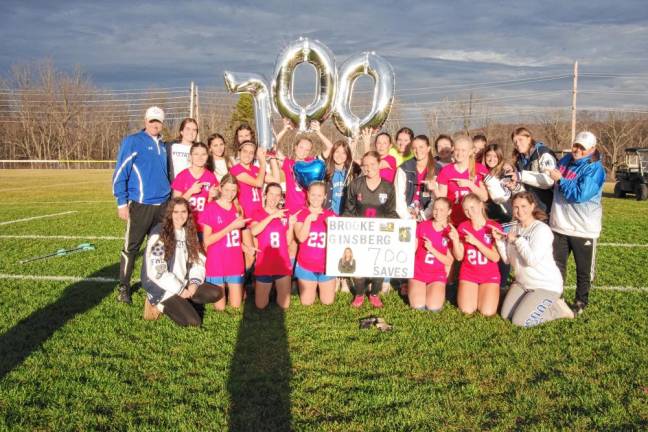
(71, 358)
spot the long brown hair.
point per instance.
(211, 165)
(167, 235)
(183, 123)
(243, 126)
(524, 132)
(330, 162)
(497, 149)
(538, 213)
(431, 165)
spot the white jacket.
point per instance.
(162, 278)
(531, 258)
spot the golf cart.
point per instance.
(632, 175)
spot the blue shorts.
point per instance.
(307, 275)
(269, 279)
(222, 280)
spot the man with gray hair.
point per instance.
(141, 187)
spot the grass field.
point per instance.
(72, 358)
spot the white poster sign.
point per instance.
(367, 247)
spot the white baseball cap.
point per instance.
(154, 113)
(586, 139)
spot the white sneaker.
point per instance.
(560, 309)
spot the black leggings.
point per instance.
(362, 285)
(182, 310)
(584, 250)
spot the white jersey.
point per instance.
(179, 158)
(531, 258)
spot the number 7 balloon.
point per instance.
(256, 85)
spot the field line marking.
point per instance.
(58, 278)
(628, 245)
(17, 203)
(38, 217)
(59, 237)
(51, 185)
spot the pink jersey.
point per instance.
(475, 267)
(455, 192)
(312, 252)
(249, 196)
(225, 257)
(427, 268)
(273, 258)
(183, 182)
(295, 195)
(388, 174)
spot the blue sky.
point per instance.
(132, 44)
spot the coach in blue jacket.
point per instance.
(141, 186)
(576, 212)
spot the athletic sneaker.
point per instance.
(123, 294)
(357, 301)
(375, 301)
(561, 309)
(578, 307)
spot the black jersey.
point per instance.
(364, 202)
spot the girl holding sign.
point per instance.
(196, 183)
(273, 230)
(433, 256)
(479, 277)
(461, 178)
(310, 230)
(222, 223)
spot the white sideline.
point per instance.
(38, 217)
(58, 278)
(59, 237)
(628, 245)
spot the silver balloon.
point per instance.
(256, 85)
(317, 54)
(367, 63)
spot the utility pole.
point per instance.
(191, 99)
(197, 112)
(573, 107)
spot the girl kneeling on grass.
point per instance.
(273, 229)
(433, 257)
(310, 231)
(479, 277)
(535, 296)
(222, 223)
(173, 273)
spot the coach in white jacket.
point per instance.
(173, 274)
(535, 296)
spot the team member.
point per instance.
(577, 212)
(416, 181)
(382, 145)
(444, 148)
(426, 290)
(370, 196)
(242, 134)
(222, 223)
(195, 183)
(479, 147)
(534, 297)
(310, 231)
(533, 160)
(178, 151)
(219, 161)
(173, 273)
(402, 151)
(500, 184)
(250, 178)
(273, 229)
(341, 169)
(463, 177)
(479, 278)
(141, 186)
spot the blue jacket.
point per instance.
(141, 171)
(577, 209)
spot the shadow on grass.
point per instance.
(29, 334)
(260, 372)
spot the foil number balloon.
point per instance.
(317, 54)
(327, 99)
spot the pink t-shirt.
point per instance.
(295, 195)
(474, 262)
(388, 174)
(426, 265)
(273, 258)
(455, 192)
(183, 182)
(312, 252)
(225, 257)
(249, 196)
